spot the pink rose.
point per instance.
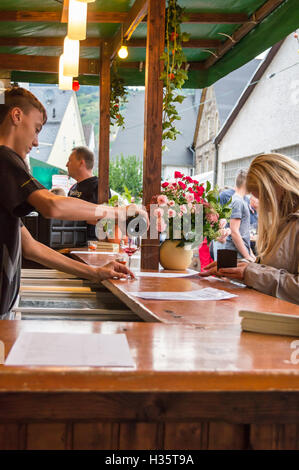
(190, 197)
(158, 212)
(183, 209)
(171, 213)
(222, 223)
(162, 200)
(190, 205)
(171, 203)
(161, 225)
(212, 217)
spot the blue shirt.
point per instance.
(240, 210)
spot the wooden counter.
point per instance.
(220, 312)
(193, 388)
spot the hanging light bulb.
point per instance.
(65, 83)
(71, 58)
(77, 20)
(123, 52)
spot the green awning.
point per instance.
(43, 172)
(276, 25)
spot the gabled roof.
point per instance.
(130, 140)
(248, 90)
(55, 102)
(87, 129)
(229, 89)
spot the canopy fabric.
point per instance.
(43, 172)
(281, 21)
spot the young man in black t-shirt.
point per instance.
(80, 165)
(21, 119)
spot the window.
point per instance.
(292, 151)
(230, 169)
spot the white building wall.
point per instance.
(70, 135)
(270, 118)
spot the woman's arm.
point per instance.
(272, 281)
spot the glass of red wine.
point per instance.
(130, 247)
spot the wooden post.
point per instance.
(152, 155)
(104, 138)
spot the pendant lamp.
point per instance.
(77, 20)
(71, 50)
(65, 83)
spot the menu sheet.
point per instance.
(70, 349)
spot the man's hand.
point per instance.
(112, 270)
(231, 273)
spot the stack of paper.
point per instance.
(106, 246)
(201, 294)
(270, 323)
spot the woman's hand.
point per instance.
(231, 273)
(112, 270)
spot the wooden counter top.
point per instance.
(172, 358)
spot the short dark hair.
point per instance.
(17, 97)
(83, 153)
(241, 178)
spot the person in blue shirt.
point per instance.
(239, 239)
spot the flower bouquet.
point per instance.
(189, 212)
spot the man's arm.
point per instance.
(67, 208)
(237, 239)
(70, 208)
(35, 251)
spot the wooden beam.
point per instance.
(253, 21)
(95, 42)
(55, 16)
(216, 18)
(44, 42)
(33, 63)
(135, 16)
(104, 138)
(152, 156)
(118, 17)
(65, 11)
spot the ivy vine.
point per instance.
(118, 98)
(175, 71)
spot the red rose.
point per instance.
(195, 181)
(178, 174)
(200, 190)
(164, 185)
(189, 179)
(190, 190)
(182, 185)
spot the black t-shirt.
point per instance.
(88, 191)
(16, 184)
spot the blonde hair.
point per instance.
(275, 179)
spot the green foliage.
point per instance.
(175, 73)
(125, 176)
(118, 98)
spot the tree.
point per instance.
(126, 172)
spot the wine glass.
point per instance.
(130, 247)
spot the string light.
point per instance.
(123, 52)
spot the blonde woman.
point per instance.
(274, 180)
